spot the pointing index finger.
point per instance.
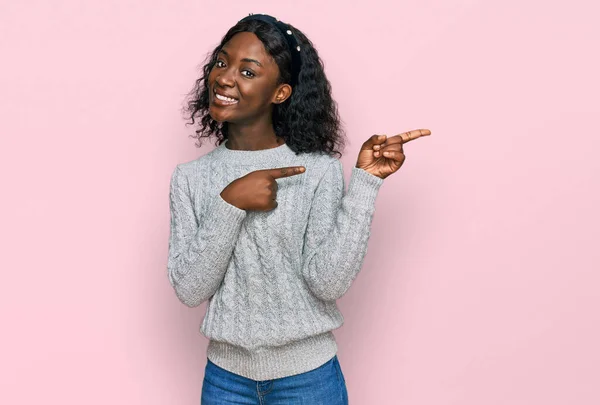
(286, 171)
(414, 134)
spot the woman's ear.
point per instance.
(283, 92)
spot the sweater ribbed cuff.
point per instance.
(226, 220)
(363, 188)
(223, 210)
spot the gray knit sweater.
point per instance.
(271, 278)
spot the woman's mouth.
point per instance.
(224, 100)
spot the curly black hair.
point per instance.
(308, 121)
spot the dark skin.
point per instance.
(244, 87)
(246, 72)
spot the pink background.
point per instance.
(481, 282)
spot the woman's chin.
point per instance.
(217, 115)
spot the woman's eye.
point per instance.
(219, 63)
(247, 73)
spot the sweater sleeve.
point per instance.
(199, 251)
(338, 231)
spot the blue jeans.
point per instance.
(324, 385)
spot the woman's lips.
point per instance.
(223, 100)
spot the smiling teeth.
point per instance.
(223, 98)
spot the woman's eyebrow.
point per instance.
(245, 59)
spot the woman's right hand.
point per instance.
(258, 190)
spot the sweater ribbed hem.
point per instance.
(274, 362)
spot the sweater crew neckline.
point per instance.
(250, 157)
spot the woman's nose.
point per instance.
(226, 79)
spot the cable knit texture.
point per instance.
(271, 278)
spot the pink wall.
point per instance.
(481, 281)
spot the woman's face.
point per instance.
(242, 84)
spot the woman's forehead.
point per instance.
(247, 45)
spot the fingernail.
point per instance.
(386, 153)
(376, 147)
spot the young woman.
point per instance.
(262, 227)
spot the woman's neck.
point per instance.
(252, 137)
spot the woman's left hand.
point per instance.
(382, 156)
